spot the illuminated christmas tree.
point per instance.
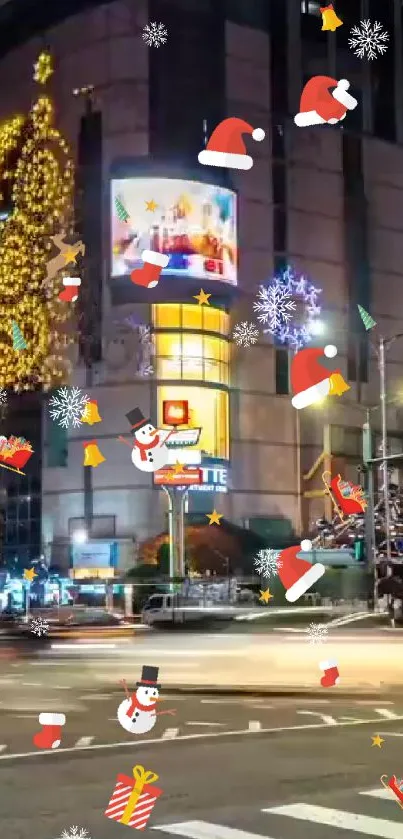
(36, 192)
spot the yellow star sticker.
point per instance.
(151, 206)
(43, 68)
(70, 256)
(214, 517)
(377, 741)
(265, 596)
(202, 297)
(178, 468)
(29, 574)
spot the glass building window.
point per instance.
(189, 316)
(198, 356)
(209, 410)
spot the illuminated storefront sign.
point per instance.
(194, 223)
(187, 457)
(93, 555)
(184, 437)
(175, 412)
(214, 476)
(169, 477)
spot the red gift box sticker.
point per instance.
(133, 798)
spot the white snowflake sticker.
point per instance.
(39, 626)
(267, 562)
(368, 40)
(155, 34)
(245, 334)
(275, 305)
(74, 833)
(317, 633)
(68, 406)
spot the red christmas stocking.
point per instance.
(70, 291)
(148, 275)
(50, 736)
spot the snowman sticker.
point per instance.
(137, 713)
(149, 451)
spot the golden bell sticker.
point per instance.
(92, 455)
(91, 413)
(329, 19)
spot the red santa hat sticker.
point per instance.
(226, 147)
(298, 575)
(310, 381)
(318, 105)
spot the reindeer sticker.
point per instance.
(67, 255)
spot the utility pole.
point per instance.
(384, 446)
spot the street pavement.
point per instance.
(305, 768)
(276, 661)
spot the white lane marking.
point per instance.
(385, 713)
(32, 684)
(153, 741)
(370, 702)
(218, 724)
(79, 647)
(26, 716)
(357, 719)
(83, 741)
(391, 733)
(378, 792)
(206, 830)
(169, 733)
(339, 818)
(2, 748)
(254, 725)
(325, 717)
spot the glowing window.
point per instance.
(182, 355)
(208, 410)
(166, 315)
(189, 316)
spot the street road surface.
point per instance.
(299, 774)
(366, 659)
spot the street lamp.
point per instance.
(79, 537)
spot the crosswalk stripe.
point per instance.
(339, 818)
(379, 792)
(206, 830)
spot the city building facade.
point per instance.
(324, 200)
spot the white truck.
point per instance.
(202, 602)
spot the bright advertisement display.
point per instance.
(192, 222)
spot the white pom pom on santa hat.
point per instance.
(258, 134)
(306, 545)
(330, 351)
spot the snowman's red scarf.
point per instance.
(136, 705)
(143, 447)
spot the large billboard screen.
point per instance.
(193, 223)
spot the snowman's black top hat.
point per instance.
(137, 419)
(149, 676)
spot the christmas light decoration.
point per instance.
(277, 303)
(40, 188)
(43, 68)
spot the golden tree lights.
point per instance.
(41, 182)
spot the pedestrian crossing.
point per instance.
(300, 815)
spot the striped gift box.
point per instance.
(144, 805)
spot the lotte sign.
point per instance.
(174, 478)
